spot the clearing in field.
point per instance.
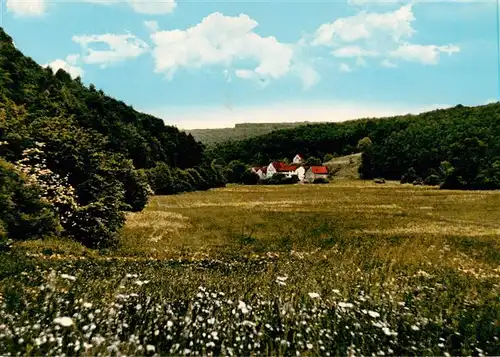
(346, 268)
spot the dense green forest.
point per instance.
(459, 146)
(211, 137)
(73, 159)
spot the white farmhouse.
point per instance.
(315, 172)
(298, 159)
(281, 168)
(300, 172)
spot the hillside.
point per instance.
(143, 138)
(73, 159)
(461, 144)
(345, 167)
(243, 131)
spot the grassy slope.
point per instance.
(239, 132)
(435, 251)
(345, 167)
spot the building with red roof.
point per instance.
(316, 172)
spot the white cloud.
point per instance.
(152, 25)
(121, 47)
(344, 67)
(388, 64)
(226, 41)
(147, 7)
(375, 34)
(307, 74)
(69, 65)
(26, 8)
(354, 51)
(393, 24)
(150, 7)
(426, 54)
(223, 117)
(360, 61)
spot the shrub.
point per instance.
(432, 180)
(250, 178)
(409, 177)
(418, 181)
(97, 219)
(24, 213)
(161, 180)
(137, 190)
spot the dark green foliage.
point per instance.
(96, 141)
(250, 178)
(23, 215)
(234, 171)
(410, 176)
(311, 160)
(137, 189)
(161, 180)
(321, 180)
(432, 180)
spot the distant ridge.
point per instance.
(240, 131)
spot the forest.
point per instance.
(73, 159)
(457, 147)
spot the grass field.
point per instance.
(350, 268)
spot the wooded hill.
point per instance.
(242, 131)
(459, 144)
(110, 154)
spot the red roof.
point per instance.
(282, 167)
(319, 169)
(300, 156)
(264, 169)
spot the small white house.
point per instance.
(281, 168)
(260, 171)
(315, 172)
(300, 172)
(298, 159)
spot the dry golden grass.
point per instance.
(391, 220)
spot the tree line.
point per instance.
(457, 147)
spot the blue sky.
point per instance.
(206, 64)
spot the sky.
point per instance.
(211, 64)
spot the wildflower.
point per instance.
(345, 305)
(309, 346)
(415, 328)
(243, 307)
(336, 291)
(313, 295)
(170, 324)
(63, 321)
(69, 277)
(150, 348)
(281, 280)
(87, 305)
(373, 314)
(186, 351)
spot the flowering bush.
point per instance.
(92, 213)
(24, 212)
